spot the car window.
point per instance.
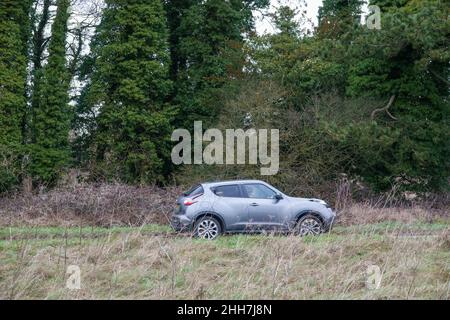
(231, 191)
(195, 191)
(259, 191)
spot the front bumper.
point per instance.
(329, 223)
(181, 223)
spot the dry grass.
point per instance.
(137, 266)
(359, 213)
(98, 205)
(109, 205)
(411, 245)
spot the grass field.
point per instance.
(152, 263)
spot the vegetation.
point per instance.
(138, 265)
(91, 91)
(367, 104)
(13, 64)
(118, 205)
(399, 68)
(129, 83)
(49, 147)
(119, 237)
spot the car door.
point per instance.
(265, 211)
(229, 203)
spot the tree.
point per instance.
(206, 46)
(337, 17)
(13, 64)
(389, 5)
(175, 10)
(305, 65)
(128, 89)
(39, 43)
(51, 117)
(405, 66)
(401, 72)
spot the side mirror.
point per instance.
(278, 197)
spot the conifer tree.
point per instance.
(337, 17)
(13, 63)
(206, 45)
(51, 122)
(129, 87)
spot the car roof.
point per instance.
(231, 182)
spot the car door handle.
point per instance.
(254, 205)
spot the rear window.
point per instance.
(194, 191)
(231, 191)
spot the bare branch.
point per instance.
(385, 109)
(439, 77)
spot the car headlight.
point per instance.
(324, 203)
(321, 202)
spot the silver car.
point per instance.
(210, 209)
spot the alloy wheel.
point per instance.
(208, 229)
(310, 226)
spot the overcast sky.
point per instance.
(310, 6)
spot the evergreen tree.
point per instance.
(175, 10)
(405, 66)
(284, 20)
(50, 137)
(129, 87)
(337, 17)
(305, 65)
(39, 43)
(400, 70)
(389, 5)
(13, 63)
(207, 52)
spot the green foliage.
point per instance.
(130, 84)
(309, 157)
(13, 63)
(407, 59)
(337, 17)
(284, 20)
(49, 149)
(206, 44)
(305, 65)
(156, 65)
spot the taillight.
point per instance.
(189, 202)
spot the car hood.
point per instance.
(310, 200)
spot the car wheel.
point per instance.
(309, 225)
(207, 228)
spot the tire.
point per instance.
(309, 225)
(207, 228)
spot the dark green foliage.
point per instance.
(39, 43)
(388, 5)
(51, 118)
(340, 9)
(206, 45)
(337, 17)
(408, 59)
(175, 11)
(306, 66)
(130, 84)
(13, 63)
(371, 104)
